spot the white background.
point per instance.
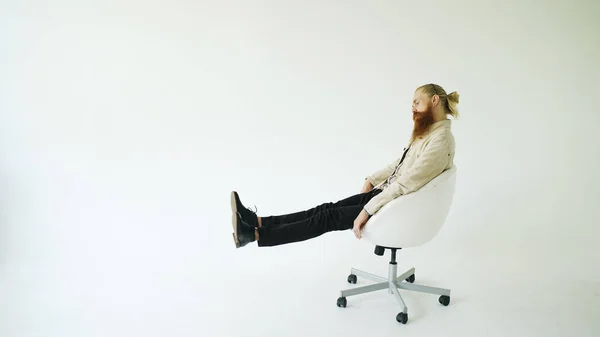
(126, 124)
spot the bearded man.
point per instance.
(429, 153)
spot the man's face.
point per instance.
(422, 109)
(421, 106)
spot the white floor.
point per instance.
(497, 290)
(208, 288)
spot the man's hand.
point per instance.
(366, 187)
(359, 223)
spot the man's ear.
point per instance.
(435, 99)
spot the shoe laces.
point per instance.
(248, 209)
(256, 209)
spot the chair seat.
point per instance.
(415, 218)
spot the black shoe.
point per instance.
(248, 216)
(243, 233)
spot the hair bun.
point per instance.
(453, 96)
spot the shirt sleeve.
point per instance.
(384, 173)
(430, 163)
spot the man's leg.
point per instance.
(355, 200)
(327, 220)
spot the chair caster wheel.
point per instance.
(402, 318)
(411, 279)
(341, 302)
(444, 300)
(352, 278)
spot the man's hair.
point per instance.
(448, 101)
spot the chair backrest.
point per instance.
(415, 218)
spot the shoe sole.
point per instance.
(235, 241)
(234, 219)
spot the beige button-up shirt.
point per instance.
(427, 157)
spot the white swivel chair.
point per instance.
(408, 221)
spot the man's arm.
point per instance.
(383, 174)
(430, 164)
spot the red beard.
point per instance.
(423, 122)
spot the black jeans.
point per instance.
(308, 224)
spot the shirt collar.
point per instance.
(443, 123)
